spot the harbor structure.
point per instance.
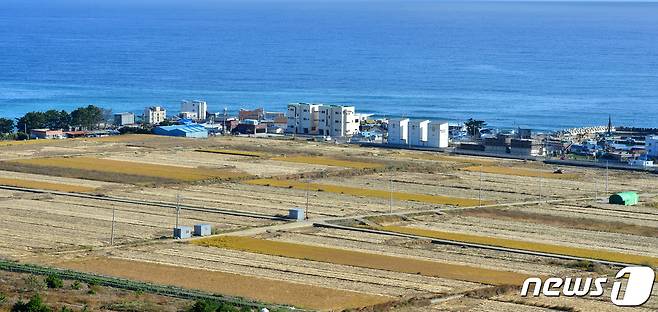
(154, 115)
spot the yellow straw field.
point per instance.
(446, 158)
(519, 172)
(365, 260)
(236, 285)
(325, 161)
(525, 245)
(425, 198)
(232, 152)
(41, 185)
(130, 168)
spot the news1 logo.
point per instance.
(636, 293)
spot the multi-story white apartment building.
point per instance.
(652, 146)
(398, 131)
(154, 115)
(338, 121)
(200, 108)
(303, 118)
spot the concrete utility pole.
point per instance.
(390, 189)
(113, 221)
(178, 200)
(480, 192)
(541, 181)
(308, 189)
(606, 178)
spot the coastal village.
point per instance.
(621, 147)
(317, 208)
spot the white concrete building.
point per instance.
(398, 131)
(154, 115)
(418, 132)
(303, 118)
(437, 134)
(200, 108)
(652, 146)
(123, 119)
(189, 115)
(338, 121)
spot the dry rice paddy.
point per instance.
(232, 152)
(526, 245)
(519, 172)
(104, 169)
(365, 260)
(425, 198)
(312, 160)
(236, 285)
(42, 185)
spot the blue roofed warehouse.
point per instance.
(187, 131)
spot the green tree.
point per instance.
(6, 125)
(57, 119)
(34, 305)
(474, 126)
(53, 281)
(31, 120)
(204, 306)
(87, 117)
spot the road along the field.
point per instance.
(596, 254)
(235, 285)
(366, 192)
(365, 260)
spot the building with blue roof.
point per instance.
(186, 131)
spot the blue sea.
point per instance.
(545, 65)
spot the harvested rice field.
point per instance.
(45, 185)
(527, 245)
(232, 152)
(520, 172)
(117, 170)
(330, 162)
(244, 187)
(366, 192)
(367, 260)
(235, 285)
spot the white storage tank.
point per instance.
(182, 232)
(297, 214)
(202, 229)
